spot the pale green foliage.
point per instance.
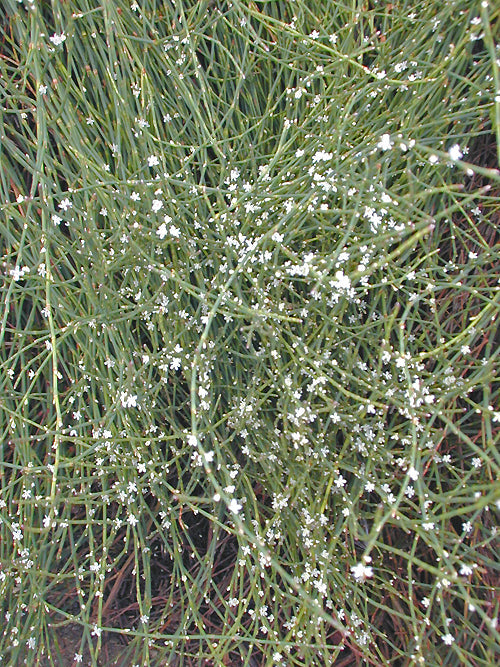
(249, 403)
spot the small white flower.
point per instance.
(157, 205)
(385, 143)
(18, 272)
(175, 364)
(340, 482)
(342, 282)
(322, 156)
(448, 639)
(132, 520)
(162, 231)
(455, 153)
(234, 506)
(57, 40)
(153, 161)
(96, 631)
(208, 456)
(128, 400)
(65, 204)
(361, 571)
(413, 473)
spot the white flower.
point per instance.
(128, 400)
(153, 161)
(156, 205)
(455, 153)
(340, 482)
(467, 527)
(361, 571)
(413, 473)
(162, 231)
(234, 506)
(18, 272)
(65, 204)
(97, 631)
(56, 39)
(448, 639)
(342, 282)
(385, 143)
(175, 364)
(133, 520)
(322, 156)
